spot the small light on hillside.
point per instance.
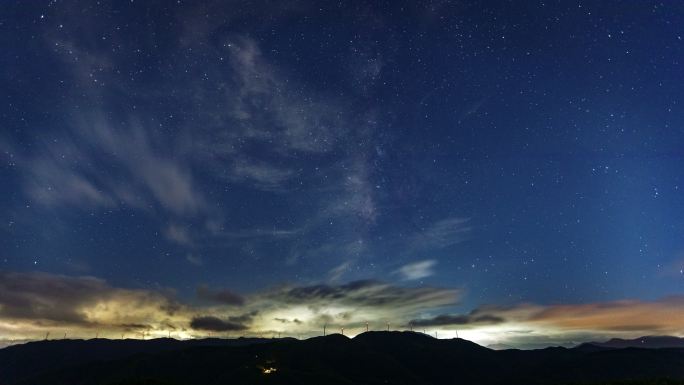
(268, 370)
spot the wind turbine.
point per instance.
(47, 335)
(366, 326)
(388, 326)
(342, 331)
(324, 326)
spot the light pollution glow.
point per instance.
(33, 304)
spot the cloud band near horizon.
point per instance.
(34, 303)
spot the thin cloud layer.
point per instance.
(418, 270)
(32, 304)
(443, 233)
(458, 320)
(295, 122)
(46, 300)
(665, 315)
(367, 294)
(222, 296)
(534, 326)
(259, 129)
(662, 316)
(68, 171)
(215, 324)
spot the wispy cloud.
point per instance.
(251, 125)
(443, 233)
(69, 171)
(417, 270)
(367, 294)
(257, 233)
(293, 120)
(338, 271)
(348, 250)
(194, 259)
(178, 234)
(263, 175)
(261, 128)
(51, 185)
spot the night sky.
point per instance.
(511, 170)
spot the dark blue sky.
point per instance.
(516, 152)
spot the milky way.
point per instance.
(508, 170)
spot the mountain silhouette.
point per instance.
(369, 358)
(646, 342)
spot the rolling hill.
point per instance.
(369, 358)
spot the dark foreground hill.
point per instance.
(370, 358)
(29, 359)
(647, 342)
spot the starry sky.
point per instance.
(508, 170)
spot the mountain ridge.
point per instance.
(369, 358)
(645, 342)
